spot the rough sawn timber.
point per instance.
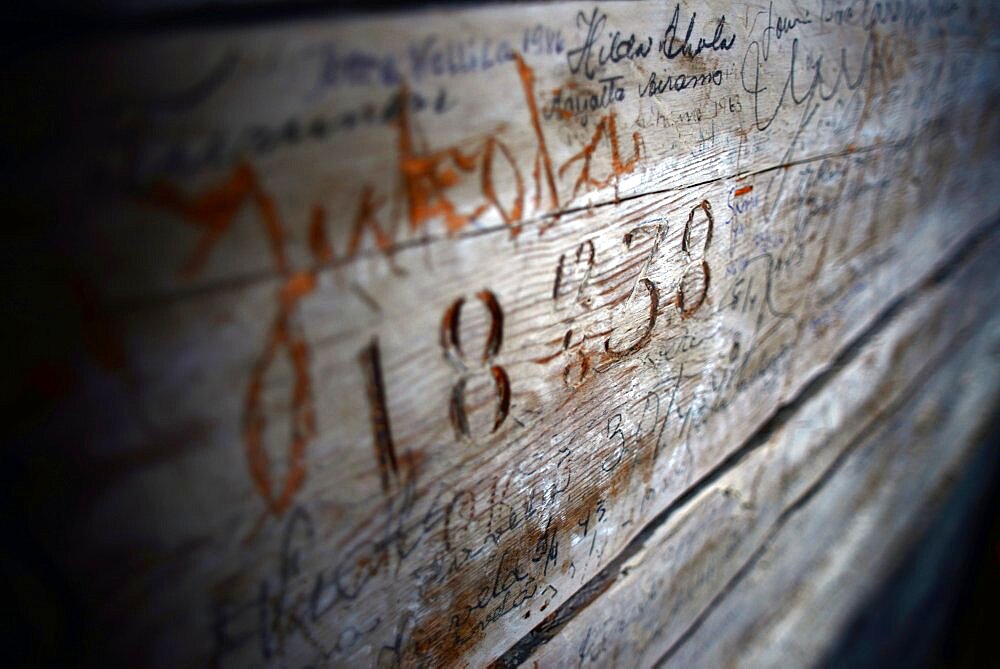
(405, 327)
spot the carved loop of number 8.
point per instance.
(452, 346)
(685, 304)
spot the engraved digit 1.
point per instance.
(452, 347)
(370, 359)
(587, 247)
(685, 303)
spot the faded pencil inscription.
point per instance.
(598, 248)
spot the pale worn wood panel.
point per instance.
(219, 511)
(199, 109)
(265, 512)
(669, 582)
(857, 528)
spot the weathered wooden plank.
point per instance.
(867, 525)
(308, 112)
(867, 442)
(366, 385)
(356, 478)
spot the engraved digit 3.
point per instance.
(687, 304)
(451, 345)
(647, 334)
(612, 354)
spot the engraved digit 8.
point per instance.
(685, 304)
(452, 346)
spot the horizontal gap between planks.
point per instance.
(871, 428)
(158, 300)
(592, 589)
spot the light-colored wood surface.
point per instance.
(804, 525)
(390, 352)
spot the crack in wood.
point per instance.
(589, 591)
(165, 299)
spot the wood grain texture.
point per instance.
(398, 331)
(877, 443)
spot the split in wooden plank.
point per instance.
(665, 584)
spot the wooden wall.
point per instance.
(609, 334)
